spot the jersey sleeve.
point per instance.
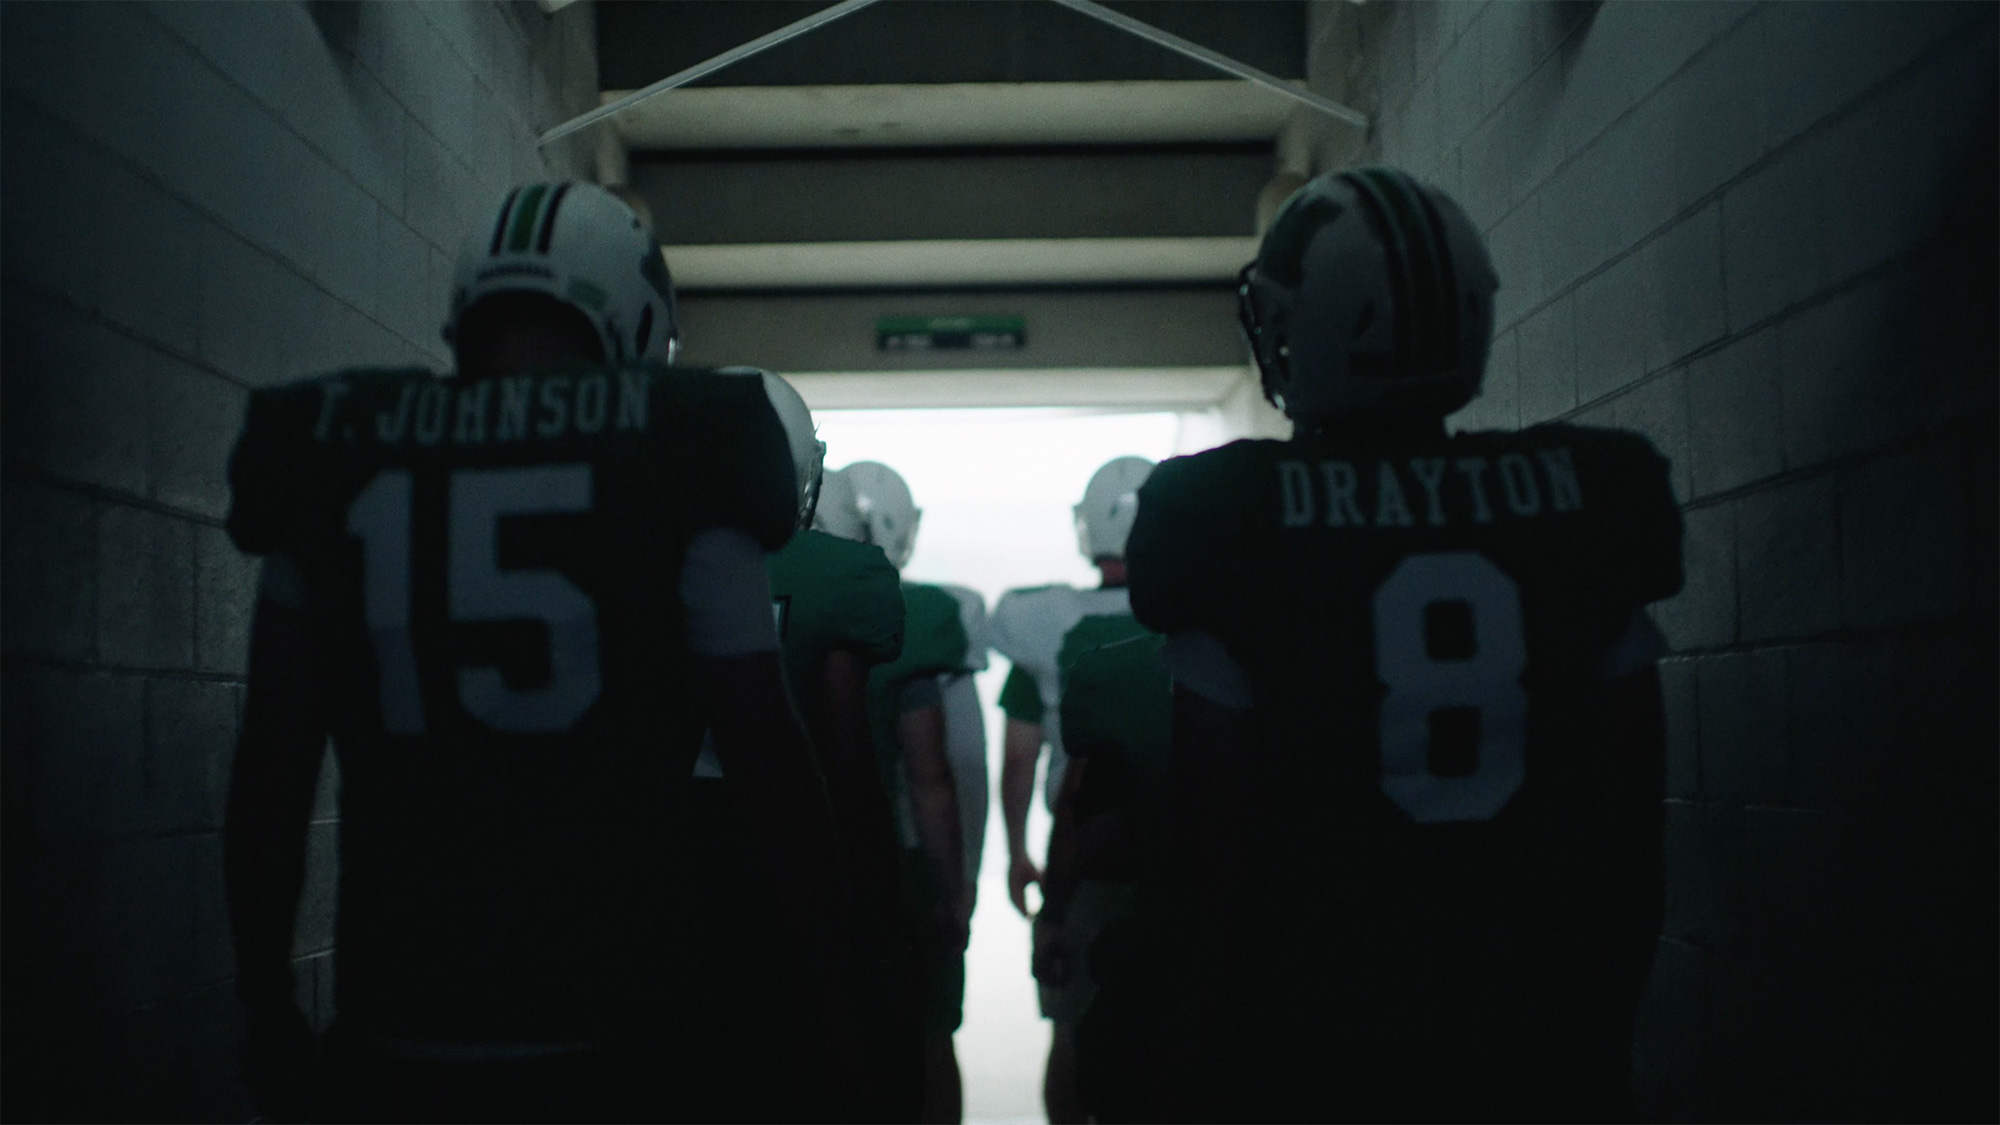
(1117, 701)
(1655, 534)
(1027, 626)
(260, 519)
(1090, 650)
(720, 430)
(1020, 698)
(283, 474)
(933, 636)
(1639, 520)
(1191, 522)
(870, 601)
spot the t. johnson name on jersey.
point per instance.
(1432, 490)
(501, 409)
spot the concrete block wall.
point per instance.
(198, 199)
(1763, 235)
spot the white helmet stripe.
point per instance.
(500, 227)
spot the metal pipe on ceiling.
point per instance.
(1217, 60)
(825, 16)
(700, 70)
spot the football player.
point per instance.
(839, 612)
(1114, 713)
(1029, 627)
(1417, 780)
(514, 598)
(868, 501)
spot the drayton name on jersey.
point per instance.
(1339, 493)
(511, 408)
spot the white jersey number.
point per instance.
(1441, 704)
(477, 590)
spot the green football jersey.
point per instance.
(1116, 705)
(934, 642)
(1020, 698)
(490, 573)
(832, 593)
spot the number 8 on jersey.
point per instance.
(1449, 650)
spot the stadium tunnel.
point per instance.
(1761, 234)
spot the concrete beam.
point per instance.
(1158, 388)
(959, 262)
(965, 113)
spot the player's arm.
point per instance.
(1020, 752)
(1051, 955)
(933, 797)
(271, 789)
(855, 784)
(764, 750)
(1633, 726)
(1212, 735)
(1062, 872)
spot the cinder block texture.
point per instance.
(1703, 614)
(1670, 1044)
(197, 199)
(1787, 560)
(1733, 411)
(1764, 236)
(1745, 749)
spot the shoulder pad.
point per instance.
(1027, 625)
(972, 615)
(1198, 516)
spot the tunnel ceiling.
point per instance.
(919, 156)
(930, 42)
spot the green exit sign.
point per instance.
(950, 333)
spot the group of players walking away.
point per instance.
(654, 806)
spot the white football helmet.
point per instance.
(868, 502)
(1371, 291)
(1110, 505)
(581, 245)
(808, 452)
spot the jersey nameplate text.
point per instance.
(514, 408)
(1428, 491)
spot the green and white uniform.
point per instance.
(934, 644)
(1020, 699)
(831, 593)
(827, 593)
(1028, 627)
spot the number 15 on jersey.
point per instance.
(477, 590)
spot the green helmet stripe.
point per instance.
(525, 214)
(549, 220)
